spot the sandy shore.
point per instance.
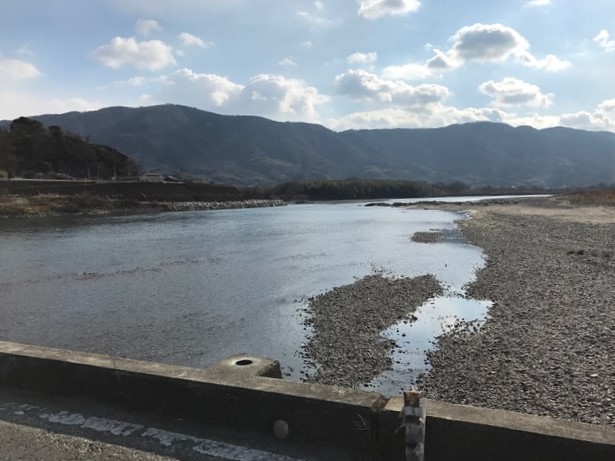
(548, 345)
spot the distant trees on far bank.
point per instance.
(359, 189)
(348, 189)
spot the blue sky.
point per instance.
(342, 63)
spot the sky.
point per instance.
(345, 64)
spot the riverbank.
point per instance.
(347, 322)
(548, 344)
(86, 204)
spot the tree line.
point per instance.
(359, 189)
(29, 150)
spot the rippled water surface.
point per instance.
(193, 288)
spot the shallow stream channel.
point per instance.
(192, 288)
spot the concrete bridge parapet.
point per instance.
(246, 393)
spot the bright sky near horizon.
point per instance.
(342, 63)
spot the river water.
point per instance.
(192, 288)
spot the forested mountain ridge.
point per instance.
(28, 149)
(254, 150)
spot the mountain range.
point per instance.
(246, 150)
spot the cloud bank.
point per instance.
(152, 54)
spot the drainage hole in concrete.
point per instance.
(244, 362)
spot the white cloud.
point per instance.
(361, 85)
(602, 118)
(602, 39)
(287, 62)
(411, 71)
(135, 81)
(281, 98)
(583, 120)
(477, 43)
(487, 42)
(307, 45)
(607, 106)
(550, 62)
(152, 54)
(192, 40)
(14, 69)
(514, 92)
(268, 95)
(537, 3)
(437, 115)
(206, 91)
(315, 20)
(16, 104)
(147, 26)
(492, 43)
(442, 61)
(362, 58)
(374, 9)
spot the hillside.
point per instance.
(29, 149)
(254, 150)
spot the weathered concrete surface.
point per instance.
(19, 443)
(245, 395)
(241, 397)
(38, 423)
(463, 432)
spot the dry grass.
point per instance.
(46, 204)
(601, 197)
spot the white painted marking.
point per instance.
(237, 453)
(167, 438)
(94, 423)
(207, 447)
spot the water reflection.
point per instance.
(413, 339)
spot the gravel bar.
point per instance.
(548, 344)
(347, 322)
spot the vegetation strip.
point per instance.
(427, 237)
(347, 322)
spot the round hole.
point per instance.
(244, 362)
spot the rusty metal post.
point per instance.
(413, 415)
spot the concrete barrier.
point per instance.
(247, 394)
(242, 393)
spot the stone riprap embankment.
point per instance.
(50, 198)
(347, 322)
(548, 344)
(196, 206)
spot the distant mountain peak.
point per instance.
(243, 149)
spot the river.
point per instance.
(192, 288)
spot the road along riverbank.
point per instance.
(548, 344)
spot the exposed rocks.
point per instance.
(548, 345)
(427, 237)
(196, 206)
(347, 322)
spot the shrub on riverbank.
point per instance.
(51, 204)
